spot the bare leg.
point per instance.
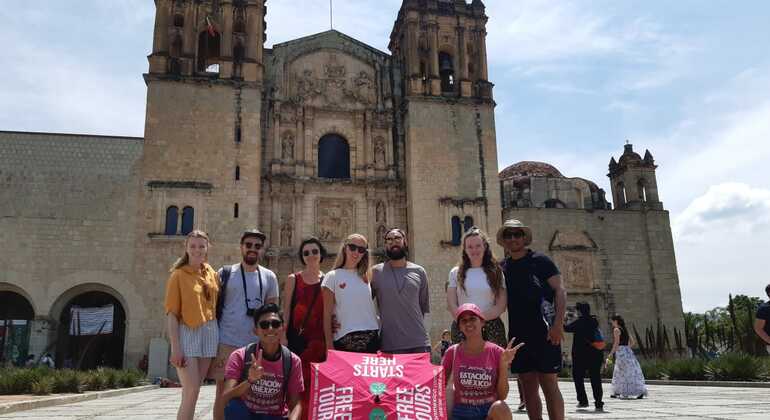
(191, 385)
(522, 401)
(219, 404)
(553, 399)
(499, 411)
(530, 381)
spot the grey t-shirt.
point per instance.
(403, 299)
(235, 327)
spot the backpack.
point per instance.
(597, 341)
(223, 279)
(251, 350)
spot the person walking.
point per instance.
(347, 294)
(190, 304)
(762, 322)
(585, 356)
(244, 288)
(478, 279)
(627, 375)
(303, 307)
(536, 306)
(401, 290)
(483, 397)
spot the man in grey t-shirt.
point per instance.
(401, 290)
(248, 287)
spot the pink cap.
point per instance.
(469, 307)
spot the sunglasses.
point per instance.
(256, 245)
(274, 324)
(518, 234)
(356, 248)
(307, 253)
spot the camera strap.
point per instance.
(245, 291)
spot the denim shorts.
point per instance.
(470, 412)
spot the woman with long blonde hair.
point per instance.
(478, 279)
(190, 304)
(348, 295)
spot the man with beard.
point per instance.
(401, 290)
(536, 306)
(244, 288)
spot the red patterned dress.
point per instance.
(313, 332)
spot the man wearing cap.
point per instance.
(401, 290)
(536, 305)
(244, 288)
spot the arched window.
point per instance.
(208, 52)
(172, 220)
(457, 231)
(333, 157)
(178, 20)
(642, 187)
(239, 24)
(235, 210)
(188, 217)
(554, 203)
(446, 71)
(467, 223)
(237, 173)
(622, 199)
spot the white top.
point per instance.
(354, 307)
(477, 290)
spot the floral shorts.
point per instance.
(359, 342)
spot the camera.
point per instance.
(250, 312)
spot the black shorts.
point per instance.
(537, 355)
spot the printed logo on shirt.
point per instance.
(342, 285)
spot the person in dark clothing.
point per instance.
(585, 356)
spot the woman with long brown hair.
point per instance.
(347, 294)
(191, 298)
(478, 279)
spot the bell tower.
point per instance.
(450, 147)
(633, 182)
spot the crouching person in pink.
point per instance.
(263, 381)
(479, 370)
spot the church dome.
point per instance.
(530, 168)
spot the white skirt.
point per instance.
(627, 377)
(201, 341)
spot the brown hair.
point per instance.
(363, 265)
(184, 260)
(488, 263)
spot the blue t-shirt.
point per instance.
(530, 298)
(236, 328)
(763, 312)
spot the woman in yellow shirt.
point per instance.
(191, 298)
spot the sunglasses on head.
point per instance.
(274, 324)
(356, 248)
(394, 238)
(518, 234)
(308, 252)
(255, 245)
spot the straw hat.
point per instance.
(511, 224)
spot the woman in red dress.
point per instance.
(303, 307)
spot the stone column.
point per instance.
(160, 38)
(483, 72)
(42, 333)
(226, 42)
(190, 35)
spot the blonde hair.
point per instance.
(185, 259)
(362, 268)
(488, 263)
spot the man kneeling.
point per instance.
(264, 379)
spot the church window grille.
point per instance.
(457, 231)
(172, 220)
(333, 157)
(188, 217)
(237, 173)
(235, 210)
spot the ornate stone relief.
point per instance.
(574, 253)
(287, 146)
(379, 153)
(334, 88)
(286, 232)
(380, 212)
(334, 218)
(381, 231)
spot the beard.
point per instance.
(250, 258)
(396, 253)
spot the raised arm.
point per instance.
(329, 303)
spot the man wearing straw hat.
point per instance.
(536, 305)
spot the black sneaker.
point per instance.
(614, 396)
(599, 407)
(641, 396)
(582, 405)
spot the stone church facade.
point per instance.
(324, 136)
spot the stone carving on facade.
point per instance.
(577, 269)
(379, 152)
(287, 146)
(363, 89)
(333, 70)
(381, 231)
(286, 232)
(334, 219)
(334, 88)
(380, 214)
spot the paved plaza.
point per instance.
(665, 402)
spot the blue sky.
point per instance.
(689, 80)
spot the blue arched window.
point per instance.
(467, 223)
(172, 220)
(457, 231)
(188, 216)
(333, 157)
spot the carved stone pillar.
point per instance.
(190, 35)
(226, 45)
(160, 38)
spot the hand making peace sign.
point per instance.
(509, 353)
(256, 370)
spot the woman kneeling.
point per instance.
(479, 370)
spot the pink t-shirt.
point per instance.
(474, 377)
(266, 395)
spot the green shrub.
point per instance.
(129, 378)
(43, 385)
(110, 377)
(684, 369)
(652, 368)
(19, 381)
(735, 367)
(95, 380)
(68, 381)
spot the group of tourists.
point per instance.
(226, 324)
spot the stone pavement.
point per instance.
(664, 402)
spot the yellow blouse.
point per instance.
(186, 295)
